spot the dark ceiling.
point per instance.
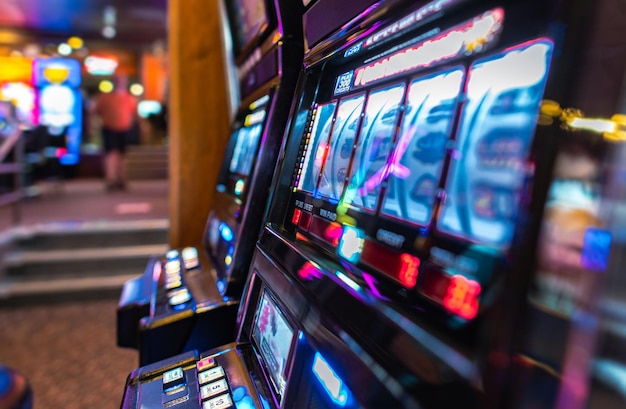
(138, 22)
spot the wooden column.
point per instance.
(198, 115)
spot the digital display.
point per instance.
(274, 338)
(415, 166)
(374, 145)
(317, 147)
(245, 149)
(498, 120)
(342, 139)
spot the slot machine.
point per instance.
(398, 263)
(182, 294)
(59, 104)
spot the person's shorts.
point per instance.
(114, 140)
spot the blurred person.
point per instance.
(117, 111)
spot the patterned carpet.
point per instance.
(68, 352)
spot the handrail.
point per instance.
(15, 143)
(8, 143)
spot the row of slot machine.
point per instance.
(48, 103)
(411, 212)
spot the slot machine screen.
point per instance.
(342, 138)
(242, 150)
(503, 97)
(273, 337)
(374, 145)
(245, 149)
(250, 17)
(431, 105)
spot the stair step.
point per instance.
(61, 290)
(11, 289)
(76, 235)
(20, 258)
(56, 264)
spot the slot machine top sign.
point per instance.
(57, 71)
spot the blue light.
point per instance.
(226, 232)
(221, 286)
(350, 244)
(239, 186)
(333, 385)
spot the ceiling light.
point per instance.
(109, 32)
(105, 86)
(136, 90)
(75, 42)
(64, 49)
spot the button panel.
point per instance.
(214, 386)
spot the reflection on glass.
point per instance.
(245, 150)
(497, 125)
(563, 282)
(415, 165)
(374, 144)
(274, 338)
(341, 142)
(317, 147)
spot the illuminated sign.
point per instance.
(16, 69)
(343, 83)
(464, 39)
(409, 21)
(100, 65)
(64, 71)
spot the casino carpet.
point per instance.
(67, 349)
(68, 352)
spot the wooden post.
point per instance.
(199, 113)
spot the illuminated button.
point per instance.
(221, 402)
(171, 284)
(179, 296)
(173, 379)
(295, 219)
(213, 389)
(205, 364)
(211, 375)
(172, 267)
(171, 255)
(190, 258)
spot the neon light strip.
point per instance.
(464, 39)
(409, 21)
(333, 385)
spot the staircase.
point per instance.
(76, 260)
(146, 162)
